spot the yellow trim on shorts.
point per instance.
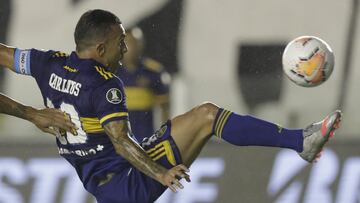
(161, 149)
(119, 114)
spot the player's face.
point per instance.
(115, 47)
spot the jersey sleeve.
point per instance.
(31, 61)
(109, 102)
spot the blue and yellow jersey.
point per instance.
(142, 86)
(91, 96)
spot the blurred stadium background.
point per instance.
(228, 52)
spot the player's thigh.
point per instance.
(191, 130)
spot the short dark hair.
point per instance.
(92, 26)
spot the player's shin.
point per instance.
(250, 131)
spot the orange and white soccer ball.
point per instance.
(308, 61)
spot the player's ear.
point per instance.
(100, 49)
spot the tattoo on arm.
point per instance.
(11, 107)
(118, 132)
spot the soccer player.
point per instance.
(45, 119)
(110, 164)
(146, 86)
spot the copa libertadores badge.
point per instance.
(114, 96)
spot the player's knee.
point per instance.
(207, 111)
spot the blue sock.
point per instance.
(250, 131)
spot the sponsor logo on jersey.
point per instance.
(82, 152)
(70, 69)
(114, 96)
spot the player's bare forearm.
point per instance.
(118, 132)
(45, 119)
(11, 107)
(7, 56)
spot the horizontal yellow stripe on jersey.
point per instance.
(91, 125)
(139, 98)
(119, 114)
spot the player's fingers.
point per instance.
(63, 125)
(70, 129)
(177, 183)
(180, 174)
(49, 130)
(187, 178)
(183, 168)
(63, 121)
(69, 126)
(172, 188)
(70, 123)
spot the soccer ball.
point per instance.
(308, 61)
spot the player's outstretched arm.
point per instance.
(7, 56)
(44, 119)
(118, 132)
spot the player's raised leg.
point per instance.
(194, 128)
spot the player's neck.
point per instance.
(85, 54)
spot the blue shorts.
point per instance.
(132, 186)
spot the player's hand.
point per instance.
(48, 120)
(171, 177)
